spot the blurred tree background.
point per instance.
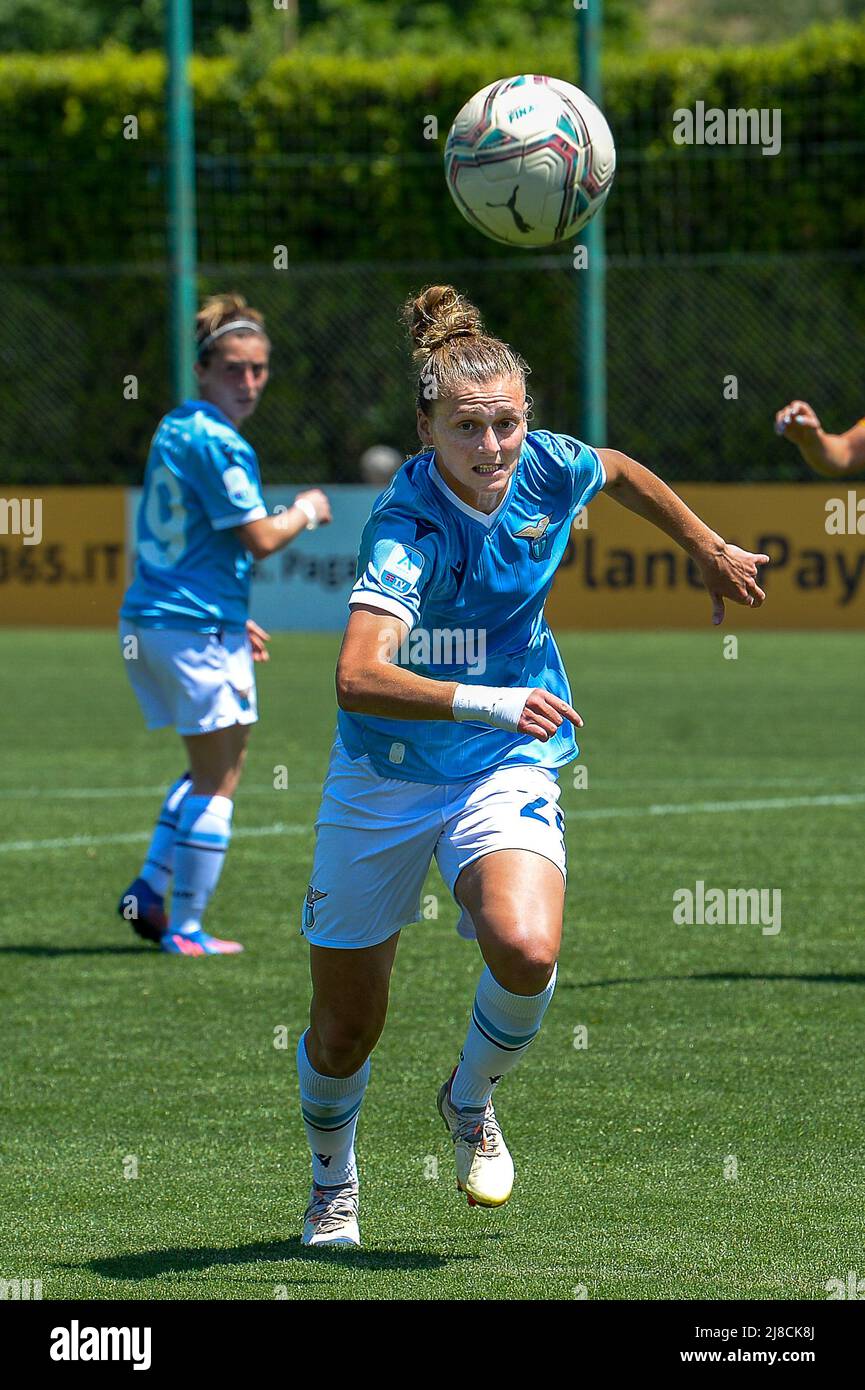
(376, 27)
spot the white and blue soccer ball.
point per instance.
(529, 160)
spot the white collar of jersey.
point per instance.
(486, 518)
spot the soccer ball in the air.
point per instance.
(529, 160)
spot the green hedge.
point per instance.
(327, 156)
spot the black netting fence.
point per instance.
(700, 353)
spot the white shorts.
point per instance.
(197, 681)
(376, 836)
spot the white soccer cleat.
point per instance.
(331, 1216)
(485, 1169)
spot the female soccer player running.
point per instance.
(429, 760)
(188, 644)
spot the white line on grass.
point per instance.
(101, 793)
(134, 837)
(687, 808)
(698, 808)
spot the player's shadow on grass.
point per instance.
(149, 1264)
(714, 976)
(31, 949)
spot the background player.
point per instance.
(188, 643)
(430, 761)
(830, 455)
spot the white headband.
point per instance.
(231, 327)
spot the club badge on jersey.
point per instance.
(536, 534)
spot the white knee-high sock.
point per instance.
(502, 1027)
(330, 1106)
(159, 862)
(200, 845)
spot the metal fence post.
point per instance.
(591, 298)
(181, 199)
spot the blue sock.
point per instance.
(330, 1106)
(200, 845)
(502, 1027)
(159, 863)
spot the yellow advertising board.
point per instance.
(62, 556)
(621, 572)
(63, 559)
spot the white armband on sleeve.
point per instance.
(500, 706)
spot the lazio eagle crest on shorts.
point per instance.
(312, 897)
(536, 534)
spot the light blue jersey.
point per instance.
(202, 480)
(472, 589)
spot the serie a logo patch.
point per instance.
(400, 567)
(237, 484)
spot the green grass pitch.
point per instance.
(706, 1143)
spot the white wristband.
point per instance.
(500, 706)
(308, 510)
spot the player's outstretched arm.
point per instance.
(368, 682)
(271, 533)
(727, 570)
(830, 455)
